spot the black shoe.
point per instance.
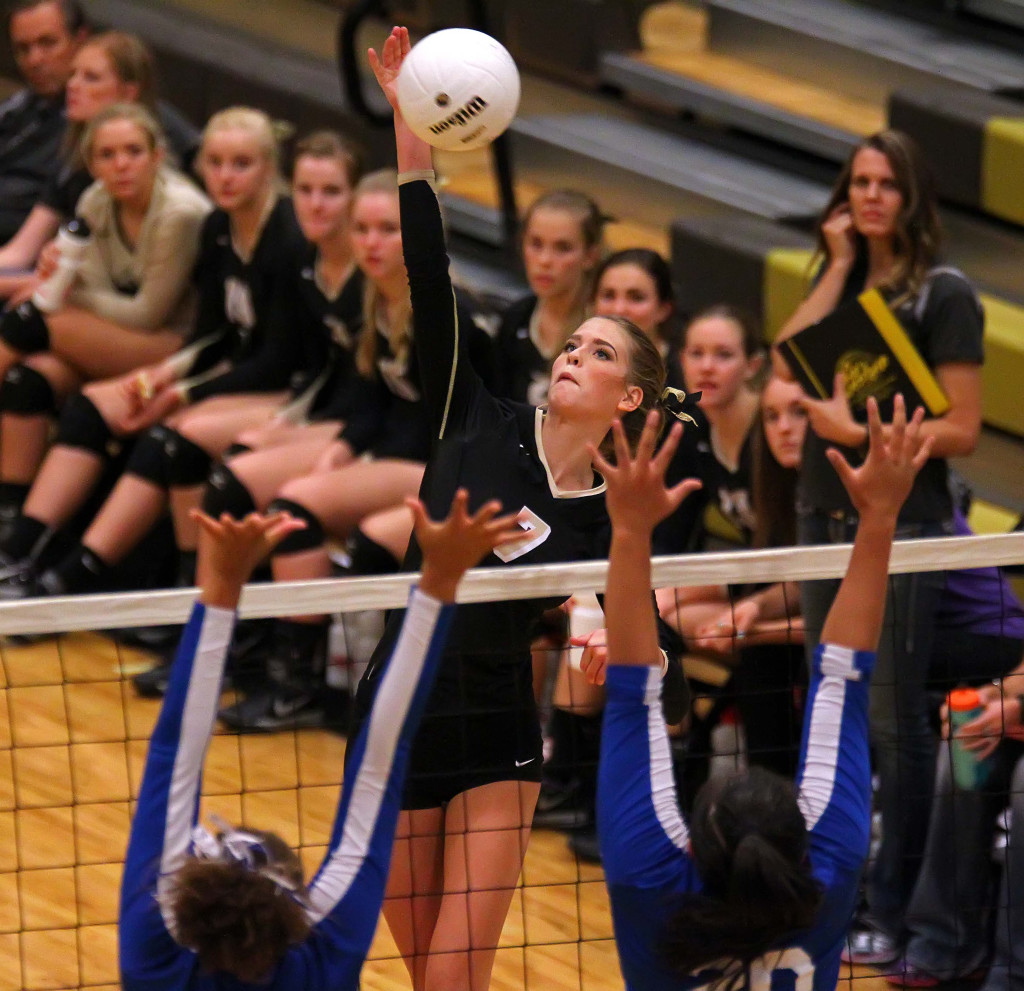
(277, 709)
(152, 684)
(563, 807)
(12, 568)
(23, 583)
(586, 846)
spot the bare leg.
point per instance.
(66, 478)
(486, 833)
(126, 517)
(415, 881)
(214, 423)
(391, 528)
(340, 499)
(99, 348)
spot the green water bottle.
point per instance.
(968, 771)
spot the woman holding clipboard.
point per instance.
(880, 229)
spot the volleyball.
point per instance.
(458, 89)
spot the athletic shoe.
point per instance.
(586, 846)
(152, 684)
(563, 807)
(277, 709)
(19, 580)
(906, 975)
(869, 946)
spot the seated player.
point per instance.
(763, 879)
(203, 910)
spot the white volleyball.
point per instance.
(458, 89)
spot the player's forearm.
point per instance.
(628, 606)
(855, 619)
(413, 153)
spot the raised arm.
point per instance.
(834, 776)
(641, 830)
(346, 895)
(452, 390)
(169, 796)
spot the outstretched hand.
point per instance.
(388, 64)
(229, 549)
(456, 543)
(882, 483)
(636, 495)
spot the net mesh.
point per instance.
(74, 734)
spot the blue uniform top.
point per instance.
(346, 894)
(645, 840)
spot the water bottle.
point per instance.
(968, 771)
(73, 239)
(585, 616)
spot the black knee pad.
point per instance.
(82, 426)
(235, 449)
(302, 540)
(26, 392)
(226, 494)
(371, 558)
(164, 457)
(24, 329)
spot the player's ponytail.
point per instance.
(750, 847)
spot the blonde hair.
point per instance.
(254, 123)
(135, 114)
(398, 331)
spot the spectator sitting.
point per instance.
(130, 303)
(562, 242)
(950, 910)
(108, 68)
(44, 36)
(247, 252)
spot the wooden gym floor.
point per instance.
(72, 744)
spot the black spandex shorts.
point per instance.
(456, 751)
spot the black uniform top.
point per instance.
(245, 308)
(945, 322)
(522, 372)
(66, 183)
(405, 429)
(31, 131)
(727, 492)
(492, 448)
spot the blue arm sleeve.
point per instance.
(346, 895)
(642, 832)
(169, 796)
(835, 771)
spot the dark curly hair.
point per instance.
(237, 920)
(750, 846)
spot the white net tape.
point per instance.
(90, 612)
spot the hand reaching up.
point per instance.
(455, 544)
(880, 486)
(636, 495)
(229, 549)
(388, 64)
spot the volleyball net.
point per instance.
(74, 732)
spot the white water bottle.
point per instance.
(73, 239)
(585, 617)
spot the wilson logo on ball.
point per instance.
(462, 116)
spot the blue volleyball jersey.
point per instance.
(344, 898)
(645, 839)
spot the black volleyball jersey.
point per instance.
(404, 429)
(522, 372)
(492, 448)
(245, 307)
